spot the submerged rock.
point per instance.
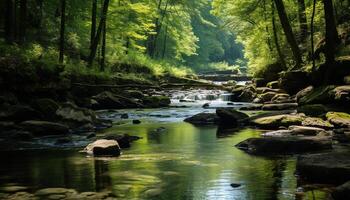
(44, 128)
(103, 148)
(203, 119)
(284, 145)
(333, 167)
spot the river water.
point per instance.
(173, 160)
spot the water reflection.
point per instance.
(183, 162)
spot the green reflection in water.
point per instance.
(182, 162)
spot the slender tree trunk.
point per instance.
(98, 33)
(22, 21)
(10, 21)
(268, 39)
(331, 31)
(302, 20)
(312, 35)
(288, 32)
(93, 21)
(275, 37)
(103, 50)
(165, 41)
(63, 21)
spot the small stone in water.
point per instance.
(206, 105)
(235, 185)
(124, 116)
(136, 121)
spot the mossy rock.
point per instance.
(313, 110)
(339, 119)
(273, 84)
(156, 101)
(318, 95)
(317, 122)
(278, 121)
(47, 107)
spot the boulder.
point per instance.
(203, 119)
(306, 130)
(267, 96)
(332, 167)
(280, 106)
(293, 81)
(19, 113)
(339, 119)
(248, 94)
(317, 122)
(47, 107)
(156, 101)
(277, 121)
(342, 93)
(75, 116)
(302, 93)
(273, 84)
(229, 116)
(313, 110)
(342, 192)
(285, 145)
(320, 95)
(280, 97)
(44, 128)
(108, 100)
(103, 147)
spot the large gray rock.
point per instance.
(285, 145)
(306, 130)
(319, 95)
(75, 116)
(44, 128)
(203, 119)
(333, 167)
(314, 110)
(229, 116)
(103, 148)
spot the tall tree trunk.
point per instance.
(165, 41)
(268, 39)
(93, 21)
(312, 35)
(63, 21)
(98, 33)
(10, 21)
(288, 32)
(22, 21)
(302, 20)
(103, 48)
(332, 38)
(275, 37)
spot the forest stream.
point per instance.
(172, 160)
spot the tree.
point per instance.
(98, 33)
(332, 38)
(62, 30)
(22, 20)
(302, 20)
(288, 32)
(10, 21)
(93, 21)
(312, 35)
(275, 37)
